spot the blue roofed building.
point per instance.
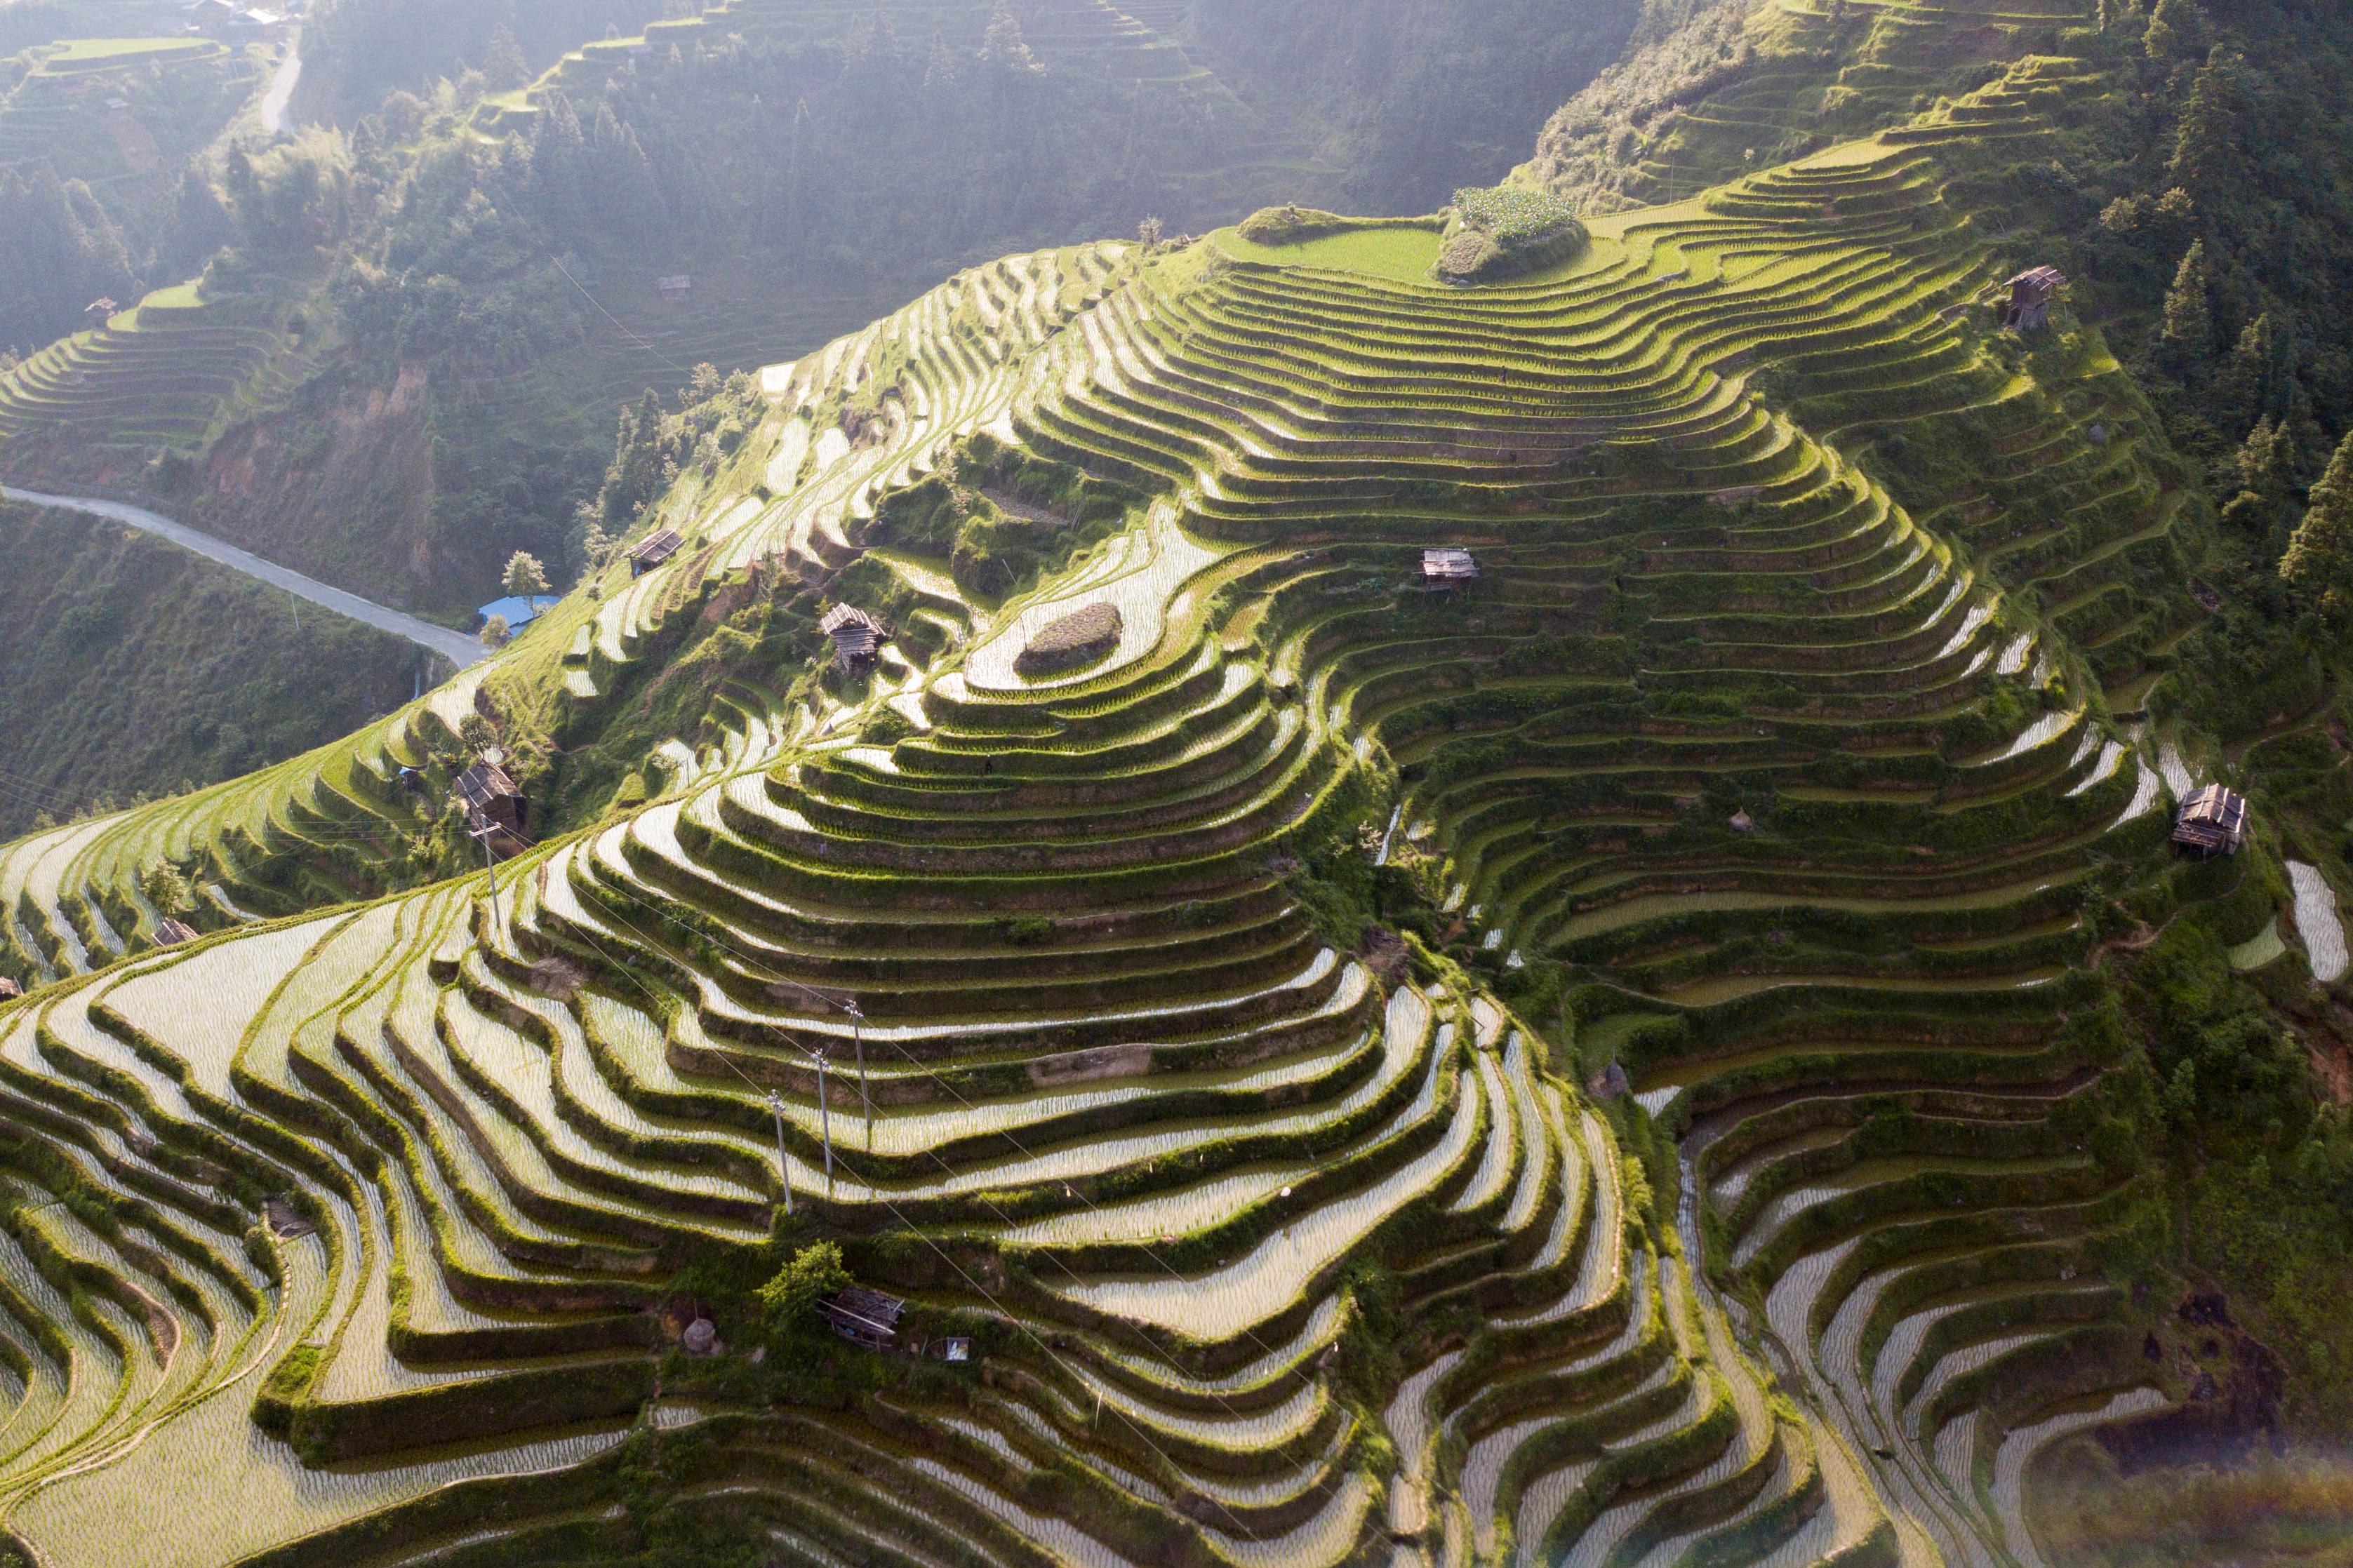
(517, 611)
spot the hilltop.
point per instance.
(1694, 1046)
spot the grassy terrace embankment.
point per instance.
(1285, 1241)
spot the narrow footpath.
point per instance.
(455, 647)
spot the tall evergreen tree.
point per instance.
(2319, 559)
(2177, 30)
(2189, 324)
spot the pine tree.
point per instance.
(2176, 30)
(2248, 379)
(2188, 309)
(2206, 145)
(504, 66)
(2319, 558)
(1003, 45)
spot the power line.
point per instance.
(616, 320)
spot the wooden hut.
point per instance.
(99, 312)
(863, 1316)
(495, 808)
(653, 549)
(1448, 568)
(171, 933)
(675, 285)
(2211, 822)
(856, 637)
(2032, 293)
(10, 989)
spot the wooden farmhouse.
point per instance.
(10, 989)
(653, 549)
(1447, 569)
(495, 808)
(856, 637)
(675, 285)
(863, 1316)
(2213, 822)
(171, 933)
(2032, 293)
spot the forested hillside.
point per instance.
(414, 329)
(137, 669)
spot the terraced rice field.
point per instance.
(170, 373)
(1276, 1255)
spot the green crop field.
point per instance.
(1601, 1066)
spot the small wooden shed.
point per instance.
(171, 933)
(856, 637)
(2214, 821)
(10, 989)
(1448, 568)
(653, 549)
(100, 311)
(863, 1316)
(2032, 293)
(495, 808)
(675, 285)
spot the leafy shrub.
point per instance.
(1504, 232)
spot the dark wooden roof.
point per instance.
(484, 782)
(843, 617)
(656, 548)
(171, 933)
(872, 1312)
(2213, 818)
(2038, 280)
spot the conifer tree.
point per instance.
(2188, 310)
(504, 66)
(2319, 559)
(2176, 30)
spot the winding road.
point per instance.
(455, 647)
(281, 89)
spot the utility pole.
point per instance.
(858, 1037)
(784, 1170)
(491, 867)
(825, 1120)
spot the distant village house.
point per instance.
(495, 808)
(1448, 568)
(653, 549)
(2214, 821)
(675, 286)
(863, 1316)
(2032, 294)
(857, 637)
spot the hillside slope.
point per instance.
(1270, 1033)
(410, 340)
